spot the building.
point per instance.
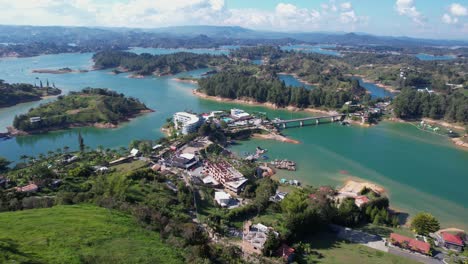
(450, 241)
(410, 244)
(28, 188)
(361, 200)
(239, 114)
(254, 237)
(134, 152)
(35, 119)
(183, 161)
(187, 122)
(223, 173)
(222, 198)
(278, 197)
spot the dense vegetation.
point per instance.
(11, 94)
(91, 105)
(146, 64)
(52, 235)
(413, 104)
(239, 85)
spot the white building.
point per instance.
(187, 122)
(239, 114)
(222, 198)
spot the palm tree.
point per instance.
(24, 158)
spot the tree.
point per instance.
(81, 142)
(271, 244)
(4, 164)
(425, 223)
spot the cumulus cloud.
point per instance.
(407, 8)
(458, 10)
(346, 6)
(447, 19)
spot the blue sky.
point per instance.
(421, 18)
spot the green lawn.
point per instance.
(79, 234)
(385, 231)
(332, 250)
(130, 166)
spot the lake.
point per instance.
(428, 57)
(320, 49)
(421, 171)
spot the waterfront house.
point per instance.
(223, 173)
(35, 119)
(410, 244)
(186, 122)
(449, 241)
(278, 197)
(239, 114)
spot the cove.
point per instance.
(421, 171)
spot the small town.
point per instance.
(236, 188)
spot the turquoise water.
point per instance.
(375, 91)
(290, 80)
(428, 57)
(321, 49)
(421, 171)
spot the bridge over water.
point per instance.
(285, 122)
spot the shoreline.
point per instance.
(457, 141)
(276, 137)
(383, 86)
(184, 81)
(266, 104)
(298, 78)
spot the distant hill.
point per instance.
(101, 38)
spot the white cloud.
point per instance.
(458, 10)
(348, 17)
(346, 6)
(407, 8)
(447, 19)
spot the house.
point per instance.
(222, 198)
(239, 114)
(254, 237)
(184, 161)
(450, 241)
(134, 152)
(286, 252)
(410, 243)
(361, 200)
(28, 188)
(278, 197)
(35, 119)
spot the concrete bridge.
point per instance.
(301, 121)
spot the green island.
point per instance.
(147, 64)
(89, 107)
(12, 94)
(190, 199)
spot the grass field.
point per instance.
(331, 250)
(79, 234)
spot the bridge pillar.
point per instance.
(301, 123)
(333, 119)
(284, 125)
(317, 121)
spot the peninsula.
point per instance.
(90, 107)
(12, 94)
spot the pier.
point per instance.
(301, 121)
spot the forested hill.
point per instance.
(12, 94)
(239, 85)
(147, 64)
(411, 104)
(89, 107)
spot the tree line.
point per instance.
(237, 85)
(12, 94)
(411, 103)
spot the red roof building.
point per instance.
(286, 252)
(451, 241)
(361, 200)
(410, 243)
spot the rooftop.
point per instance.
(451, 238)
(413, 244)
